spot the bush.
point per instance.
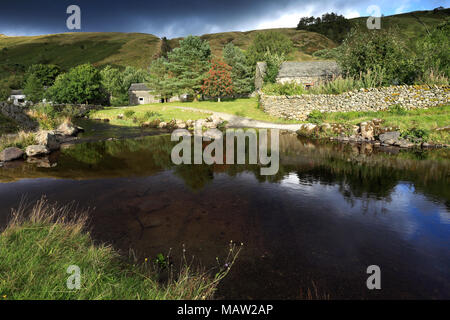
(315, 116)
(416, 133)
(21, 140)
(281, 89)
(383, 50)
(397, 109)
(129, 114)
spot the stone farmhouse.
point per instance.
(17, 97)
(308, 73)
(139, 93)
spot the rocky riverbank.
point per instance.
(44, 142)
(373, 132)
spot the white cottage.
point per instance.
(17, 97)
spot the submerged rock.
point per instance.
(10, 154)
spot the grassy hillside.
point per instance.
(138, 49)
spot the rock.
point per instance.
(48, 139)
(180, 124)
(162, 125)
(308, 127)
(120, 116)
(394, 135)
(36, 150)
(190, 123)
(10, 154)
(67, 129)
(210, 125)
(367, 130)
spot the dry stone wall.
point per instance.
(374, 99)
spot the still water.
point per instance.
(330, 212)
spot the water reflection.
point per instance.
(331, 211)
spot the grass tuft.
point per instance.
(39, 244)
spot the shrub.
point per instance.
(315, 116)
(129, 114)
(281, 89)
(382, 50)
(21, 140)
(416, 133)
(397, 109)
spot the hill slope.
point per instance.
(138, 49)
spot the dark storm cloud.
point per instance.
(167, 17)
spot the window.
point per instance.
(141, 99)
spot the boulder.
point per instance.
(367, 130)
(10, 154)
(48, 139)
(394, 135)
(162, 125)
(36, 150)
(67, 129)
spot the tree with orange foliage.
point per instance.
(218, 82)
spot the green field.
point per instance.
(248, 107)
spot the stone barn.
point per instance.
(308, 73)
(17, 97)
(139, 93)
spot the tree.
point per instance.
(188, 65)
(164, 49)
(46, 73)
(274, 62)
(434, 51)
(242, 72)
(218, 82)
(34, 89)
(331, 25)
(273, 42)
(81, 84)
(133, 75)
(112, 81)
(383, 50)
(159, 80)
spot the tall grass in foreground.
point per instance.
(38, 246)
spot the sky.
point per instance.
(178, 18)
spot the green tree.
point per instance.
(81, 84)
(159, 80)
(188, 65)
(331, 25)
(382, 50)
(112, 81)
(272, 41)
(33, 89)
(218, 82)
(133, 75)
(242, 72)
(46, 73)
(434, 51)
(274, 62)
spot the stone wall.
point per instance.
(18, 114)
(375, 99)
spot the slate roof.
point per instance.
(308, 69)
(139, 87)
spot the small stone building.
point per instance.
(139, 93)
(17, 97)
(308, 73)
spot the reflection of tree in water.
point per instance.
(359, 171)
